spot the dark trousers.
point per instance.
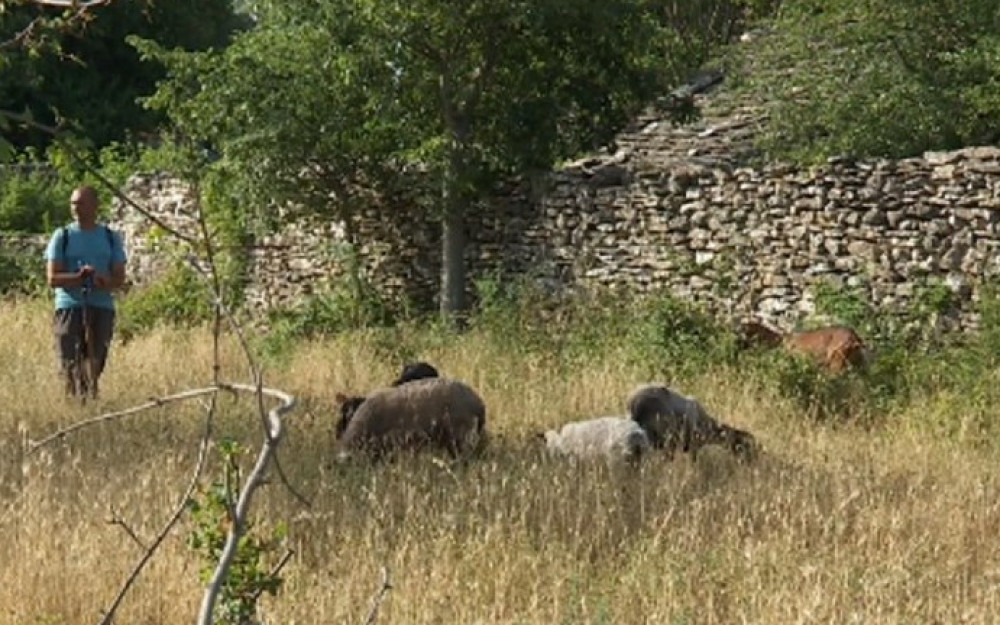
(72, 344)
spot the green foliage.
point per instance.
(33, 199)
(659, 333)
(83, 73)
(678, 336)
(212, 516)
(180, 297)
(21, 273)
(36, 185)
(877, 78)
(349, 303)
(349, 100)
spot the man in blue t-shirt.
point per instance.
(85, 263)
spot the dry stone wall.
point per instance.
(735, 238)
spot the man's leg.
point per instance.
(67, 328)
(102, 330)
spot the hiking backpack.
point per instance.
(65, 241)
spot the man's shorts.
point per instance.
(68, 328)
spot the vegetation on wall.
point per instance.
(875, 78)
(335, 101)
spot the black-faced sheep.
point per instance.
(437, 413)
(419, 370)
(616, 439)
(673, 421)
(349, 404)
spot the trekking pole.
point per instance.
(87, 346)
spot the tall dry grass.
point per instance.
(834, 524)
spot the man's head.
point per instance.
(83, 202)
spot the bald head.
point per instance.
(83, 202)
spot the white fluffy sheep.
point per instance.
(613, 438)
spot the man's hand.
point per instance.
(84, 274)
(102, 281)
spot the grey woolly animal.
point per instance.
(616, 439)
(674, 421)
(429, 413)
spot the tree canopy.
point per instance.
(323, 98)
(878, 78)
(76, 64)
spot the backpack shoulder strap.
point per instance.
(64, 241)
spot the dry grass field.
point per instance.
(889, 525)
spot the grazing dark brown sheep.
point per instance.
(673, 421)
(836, 347)
(431, 413)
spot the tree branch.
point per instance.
(274, 572)
(379, 597)
(253, 482)
(174, 518)
(272, 421)
(24, 37)
(120, 414)
(71, 4)
(116, 519)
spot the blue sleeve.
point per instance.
(52, 250)
(118, 254)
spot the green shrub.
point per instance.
(180, 297)
(33, 200)
(249, 576)
(350, 303)
(21, 273)
(673, 335)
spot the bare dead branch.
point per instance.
(111, 416)
(171, 522)
(71, 4)
(220, 310)
(25, 35)
(116, 519)
(271, 420)
(379, 597)
(274, 572)
(253, 481)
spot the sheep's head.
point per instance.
(752, 333)
(349, 404)
(742, 443)
(651, 409)
(416, 371)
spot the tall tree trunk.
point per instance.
(453, 242)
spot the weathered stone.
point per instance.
(614, 220)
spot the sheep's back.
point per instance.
(665, 413)
(601, 436)
(437, 409)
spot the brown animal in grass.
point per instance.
(836, 347)
(429, 413)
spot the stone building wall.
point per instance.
(738, 239)
(682, 208)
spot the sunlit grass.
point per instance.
(890, 524)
